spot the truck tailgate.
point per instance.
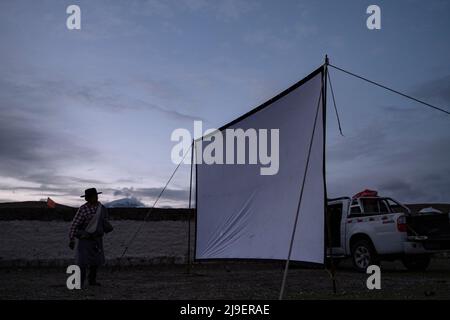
(435, 228)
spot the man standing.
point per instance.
(88, 226)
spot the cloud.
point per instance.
(436, 90)
(416, 186)
(33, 154)
(152, 193)
(33, 91)
(395, 156)
(106, 97)
(401, 188)
(37, 158)
(30, 153)
(403, 151)
(369, 141)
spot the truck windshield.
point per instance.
(396, 207)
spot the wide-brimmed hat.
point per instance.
(89, 192)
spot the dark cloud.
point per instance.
(416, 187)
(368, 141)
(404, 187)
(28, 151)
(34, 92)
(437, 90)
(401, 189)
(403, 156)
(60, 180)
(412, 175)
(171, 113)
(31, 152)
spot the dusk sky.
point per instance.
(96, 107)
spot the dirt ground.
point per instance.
(228, 281)
(25, 241)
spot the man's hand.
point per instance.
(71, 244)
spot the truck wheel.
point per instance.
(416, 263)
(363, 255)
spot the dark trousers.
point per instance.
(92, 275)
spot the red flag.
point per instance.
(51, 204)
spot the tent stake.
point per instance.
(286, 268)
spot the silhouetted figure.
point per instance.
(88, 226)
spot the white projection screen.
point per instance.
(242, 214)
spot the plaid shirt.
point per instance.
(82, 218)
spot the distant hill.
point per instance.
(31, 204)
(119, 203)
(125, 203)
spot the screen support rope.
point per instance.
(334, 100)
(153, 206)
(392, 90)
(286, 268)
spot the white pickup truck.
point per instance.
(370, 229)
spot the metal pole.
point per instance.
(286, 268)
(189, 215)
(327, 219)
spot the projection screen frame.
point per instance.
(321, 70)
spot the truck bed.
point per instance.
(435, 228)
